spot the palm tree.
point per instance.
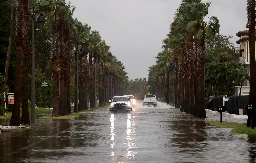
(83, 67)
(15, 118)
(163, 60)
(61, 57)
(94, 39)
(64, 61)
(251, 19)
(25, 57)
(55, 73)
(104, 50)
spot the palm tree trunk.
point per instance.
(176, 83)
(10, 45)
(182, 89)
(104, 86)
(179, 80)
(85, 92)
(77, 65)
(84, 83)
(55, 74)
(25, 114)
(100, 85)
(62, 110)
(201, 91)
(167, 86)
(189, 71)
(67, 66)
(108, 86)
(251, 16)
(91, 77)
(111, 87)
(15, 118)
(193, 70)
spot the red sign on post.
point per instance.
(10, 98)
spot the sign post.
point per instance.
(220, 110)
(44, 84)
(250, 121)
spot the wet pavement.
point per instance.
(144, 135)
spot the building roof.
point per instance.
(242, 39)
(242, 33)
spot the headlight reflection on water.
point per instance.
(130, 132)
(129, 138)
(112, 127)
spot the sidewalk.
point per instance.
(226, 117)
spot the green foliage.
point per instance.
(38, 111)
(42, 97)
(42, 110)
(137, 88)
(223, 71)
(220, 49)
(221, 78)
(213, 27)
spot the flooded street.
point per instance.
(146, 134)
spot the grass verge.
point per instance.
(236, 127)
(70, 116)
(41, 112)
(38, 111)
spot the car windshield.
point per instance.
(115, 99)
(131, 97)
(150, 96)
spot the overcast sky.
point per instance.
(135, 28)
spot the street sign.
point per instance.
(44, 84)
(10, 98)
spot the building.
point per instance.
(244, 59)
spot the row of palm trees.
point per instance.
(58, 42)
(179, 73)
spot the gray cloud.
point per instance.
(135, 28)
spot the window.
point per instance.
(115, 99)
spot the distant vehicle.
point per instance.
(150, 100)
(131, 97)
(120, 103)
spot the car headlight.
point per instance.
(133, 102)
(112, 104)
(129, 104)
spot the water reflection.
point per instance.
(189, 137)
(14, 147)
(112, 127)
(130, 136)
(126, 142)
(149, 135)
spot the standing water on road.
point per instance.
(147, 134)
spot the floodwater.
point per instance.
(144, 135)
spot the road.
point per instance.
(145, 135)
